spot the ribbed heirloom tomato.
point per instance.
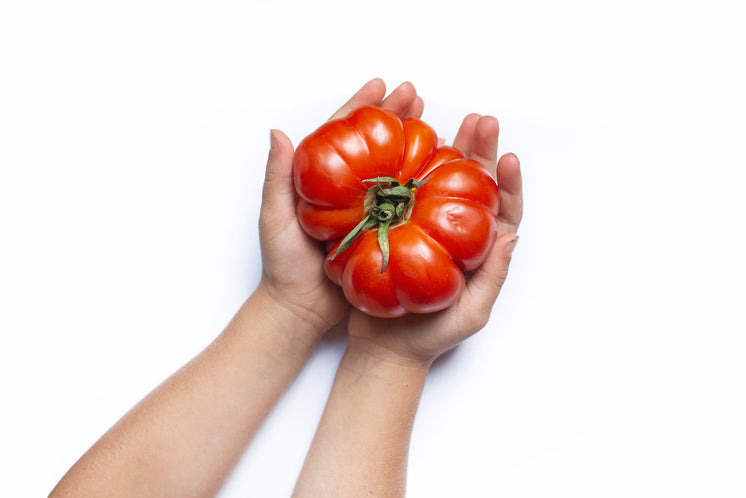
(403, 218)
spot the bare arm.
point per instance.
(184, 438)
(362, 442)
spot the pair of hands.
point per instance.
(293, 272)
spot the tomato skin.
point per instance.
(335, 267)
(365, 287)
(328, 223)
(449, 227)
(425, 277)
(329, 164)
(465, 229)
(421, 141)
(442, 155)
(462, 179)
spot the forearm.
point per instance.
(185, 437)
(362, 442)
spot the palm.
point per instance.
(427, 336)
(293, 263)
(416, 336)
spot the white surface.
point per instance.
(132, 146)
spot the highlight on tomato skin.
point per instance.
(402, 217)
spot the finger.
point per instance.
(484, 146)
(487, 281)
(465, 136)
(415, 110)
(400, 99)
(370, 93)
(278, 193)
(510, 183)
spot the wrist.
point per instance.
(290, 319)
(371, 354)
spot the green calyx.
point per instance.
(389, 202)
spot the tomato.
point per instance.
(403, 218)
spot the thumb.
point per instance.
(488, 279)
(278, 193)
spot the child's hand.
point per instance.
(419, 339)
(293, 274)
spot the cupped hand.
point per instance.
(292, 272)
(419, 339)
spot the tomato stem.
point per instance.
(383, 243)
(390, 203)
(367, 223)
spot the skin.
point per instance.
(185, 437)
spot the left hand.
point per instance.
(419, 339)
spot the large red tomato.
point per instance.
(402, 217)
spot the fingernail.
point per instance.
(273, 145)
(511, 245)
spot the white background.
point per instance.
(133, 138)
